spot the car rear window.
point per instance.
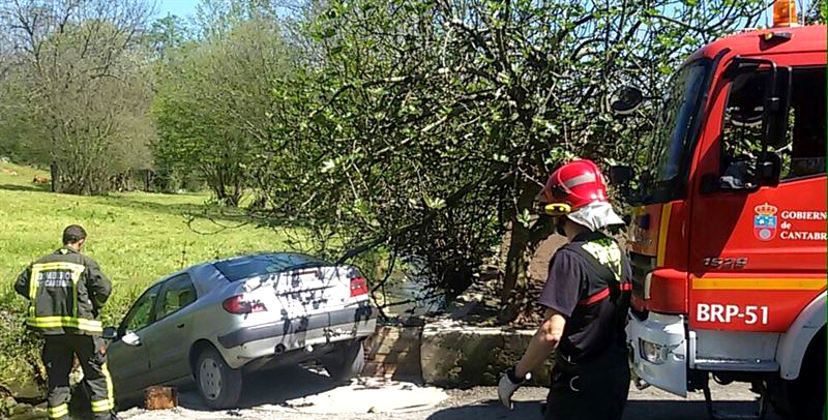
(263, 264)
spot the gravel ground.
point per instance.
(311, 395)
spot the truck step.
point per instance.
(759, 414)
(736, 365)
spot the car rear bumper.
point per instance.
(263, 341)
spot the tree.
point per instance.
(428, 127)
(816, 12)
(168, 34)
(80, 87)
(214, 102)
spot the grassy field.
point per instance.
(135, 237)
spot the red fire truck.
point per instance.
(729, 246)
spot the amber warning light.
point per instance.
(784, 13)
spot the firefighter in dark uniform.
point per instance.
(586, 298)
(66, 291)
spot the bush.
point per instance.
(19, 349)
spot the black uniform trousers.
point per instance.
(595, 390)
(58, 356)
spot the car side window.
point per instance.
(141, 314)
(178, 293)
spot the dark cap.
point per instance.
(72, 234)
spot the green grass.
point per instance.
(136, 238)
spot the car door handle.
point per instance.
(180, 326)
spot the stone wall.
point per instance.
(394, 353)
(448, 354)
(453, 355)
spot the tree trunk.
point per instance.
(55, 174)
(515, 277)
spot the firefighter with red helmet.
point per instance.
(586, 299)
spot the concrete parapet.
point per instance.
(394, 352)
(456, 355)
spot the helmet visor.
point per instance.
(553, 193)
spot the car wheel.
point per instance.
(346, 362)
(219, 384)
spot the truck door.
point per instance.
(757, 253)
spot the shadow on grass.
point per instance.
(30, 188)
(173, 208)
(224, 217)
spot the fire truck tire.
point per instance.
(805, 395)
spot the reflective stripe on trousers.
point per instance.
(108, 404)
(58, 355)
(58, 411)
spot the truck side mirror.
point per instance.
(621, 174)
(627, 100)
(777, 97)
(768, 168)
(777, 106)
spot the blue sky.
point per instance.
(182, 8)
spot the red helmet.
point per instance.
(573, 186)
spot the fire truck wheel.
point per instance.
(806, 394)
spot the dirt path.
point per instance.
(298, 394)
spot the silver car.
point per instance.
(213, 322)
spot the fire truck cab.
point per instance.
(729, 246)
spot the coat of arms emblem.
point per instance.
(764, 222)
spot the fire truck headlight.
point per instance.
(653, 352)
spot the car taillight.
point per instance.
(358, 286)
(237, 305)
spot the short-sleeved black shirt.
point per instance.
(590, 296)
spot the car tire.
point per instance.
(346, 362)
(219, 384)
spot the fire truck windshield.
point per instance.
(674, 135)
